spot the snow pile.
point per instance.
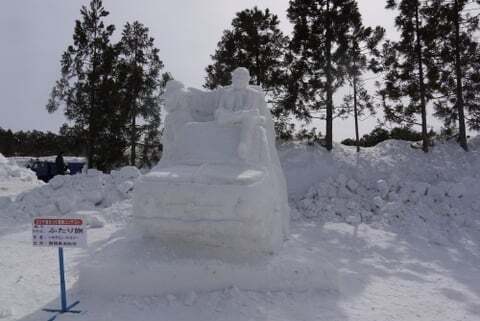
(390, 184)
(9, 170)
(474, 143)
(65, 195)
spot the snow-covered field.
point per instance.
(401, 228)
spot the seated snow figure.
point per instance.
(241, 105)
(220, 183)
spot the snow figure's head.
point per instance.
(240, 78)
(172, 89)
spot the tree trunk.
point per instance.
(260, 71)
(133, 152)
(355, 109)
(423, 104)
(91, 118)
(90, 130)
(328, 58)
(90, 152)
(133, 106)
(459, 75)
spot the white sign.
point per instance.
(59, 232)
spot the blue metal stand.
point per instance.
(63, 292)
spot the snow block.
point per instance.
(237, 210)
(92, 218)
(57, 182)
(5, 201)
(128, 173)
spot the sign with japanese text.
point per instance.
(59, 232)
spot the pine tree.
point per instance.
(87, 87)
(362, 54)
(407, 63)
(255, 42)
(457, 52)
(151, 147)
(7, 143)
(472, 91)
(318, 48)
(112, 142)
(140, 79)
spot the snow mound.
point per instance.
(9, 170)
(474, 143)
(391, 184)
(65, 195)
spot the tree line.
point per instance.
(36, 143)
(433, 69)
(111, 92)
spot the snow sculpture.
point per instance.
(220, 183)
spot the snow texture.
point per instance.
(66, 195)
(389, 185)
(390, 266)
(9, 170)
(220, 183)
(132, 265)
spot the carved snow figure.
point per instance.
(240, 104)
(177, 114)
(219, 184)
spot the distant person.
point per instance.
(60, 164)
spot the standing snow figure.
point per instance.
(178, 113)
(219, 184)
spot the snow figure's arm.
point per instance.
(262, 105)
(252, 115)
(221, 114)
(184, 110)
(225, 117)
(228, 117)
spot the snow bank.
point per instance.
(390, 184)
(65, 195)
(474, 143)
(9, 170)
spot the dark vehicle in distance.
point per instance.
(46, 170)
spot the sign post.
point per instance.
(60, 233)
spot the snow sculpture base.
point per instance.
(144, 267)
(227, 214)
(219, 184)
(211, 205)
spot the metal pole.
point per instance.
(62, 280)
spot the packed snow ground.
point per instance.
(402, 228)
